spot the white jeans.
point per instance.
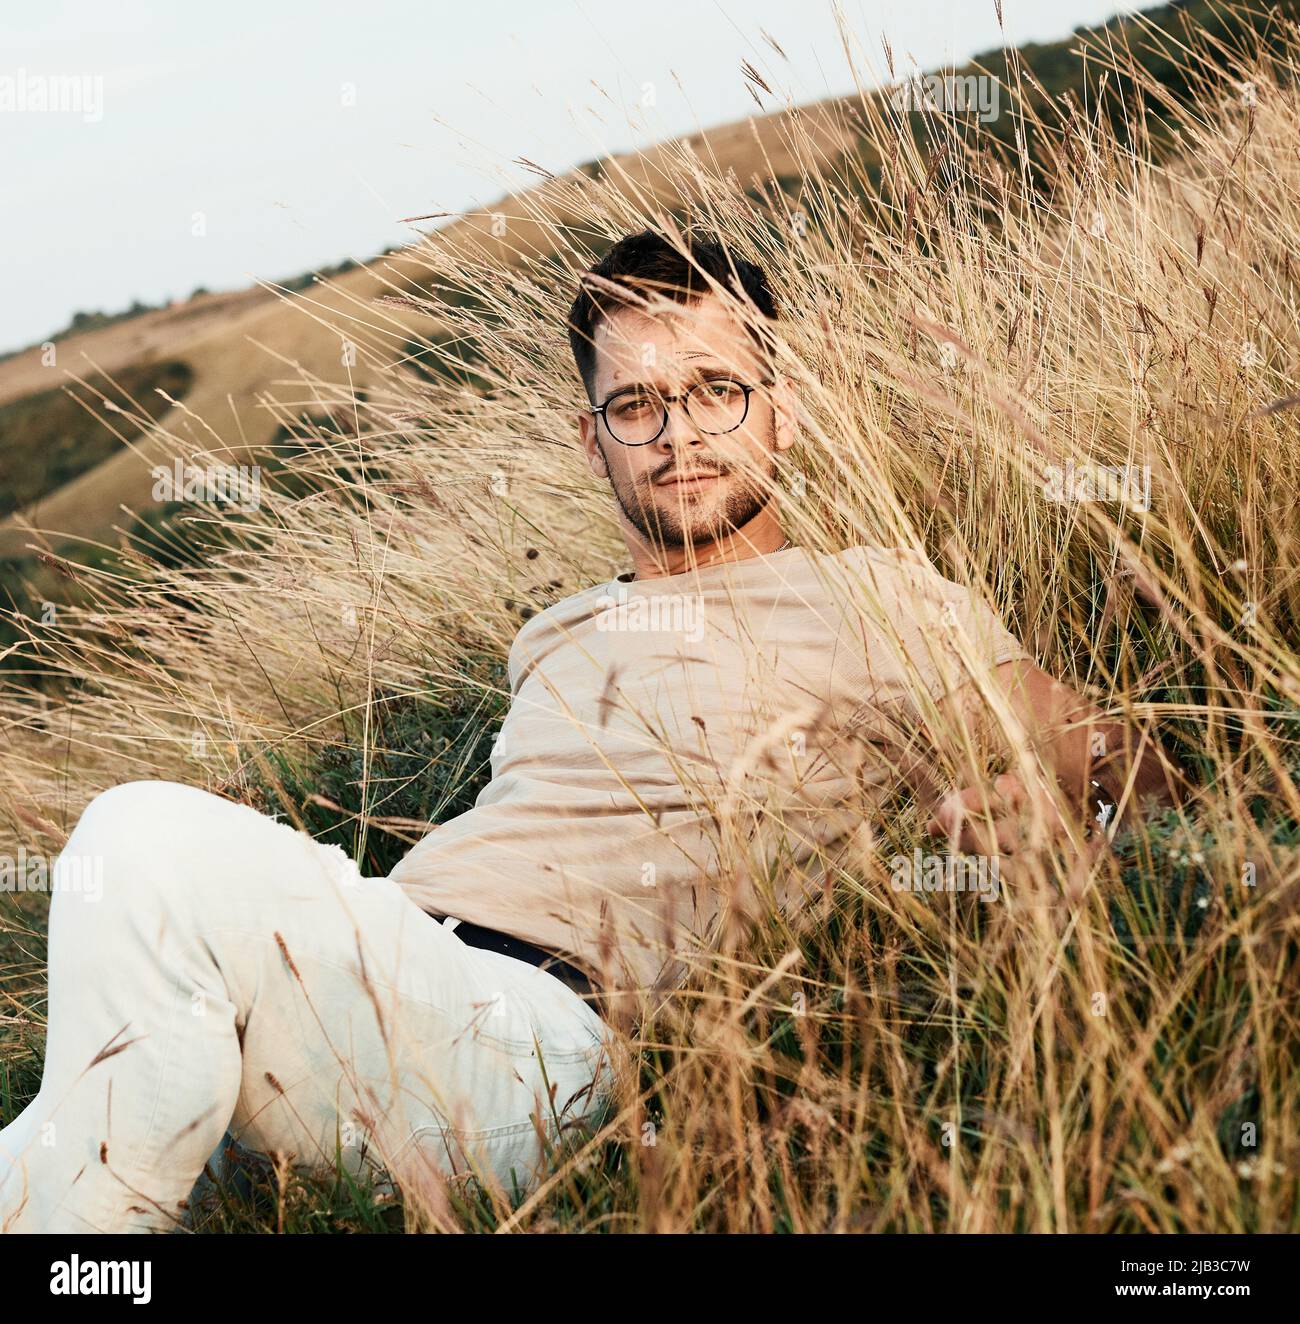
(237, 977)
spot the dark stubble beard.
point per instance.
(664, 528)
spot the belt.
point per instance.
(493, 941)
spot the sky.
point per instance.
(215, 145)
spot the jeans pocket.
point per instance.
(516, 1155)
(511, 1157)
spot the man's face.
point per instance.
(687, 485)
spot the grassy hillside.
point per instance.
(47, 440)
(258, 356)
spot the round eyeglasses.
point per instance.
(715, 406)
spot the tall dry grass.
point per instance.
(1112, 1049)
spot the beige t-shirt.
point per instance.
(666, 736)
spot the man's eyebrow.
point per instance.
(697, 370)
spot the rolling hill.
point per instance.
(249, 356)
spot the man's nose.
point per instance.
(680, 430)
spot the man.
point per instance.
(730, 700)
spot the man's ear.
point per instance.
(785, 398)
(591, 445)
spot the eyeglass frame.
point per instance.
(669, 400)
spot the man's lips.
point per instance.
(688, 480)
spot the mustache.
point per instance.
(671, 467)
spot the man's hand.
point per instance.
(1099, 765)
(1007, 820)
(1103, 765)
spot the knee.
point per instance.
(123, 821)
(129, 807)
(128, 837)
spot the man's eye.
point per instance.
(633, 406)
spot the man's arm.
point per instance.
(1105, 767)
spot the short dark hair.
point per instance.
(646, 264)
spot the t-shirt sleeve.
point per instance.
(523, 650)
(921, 629)
(515, 662)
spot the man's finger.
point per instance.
(1011, 790)
(956, 807)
